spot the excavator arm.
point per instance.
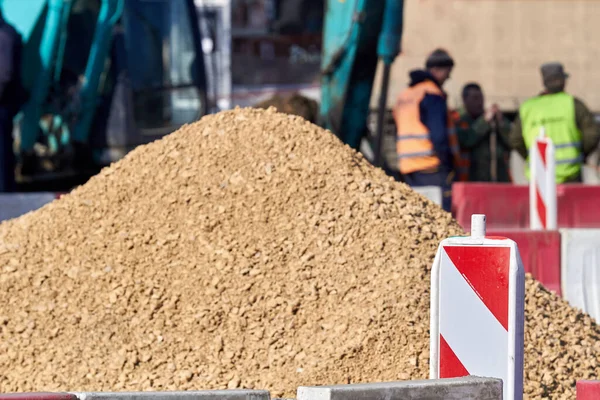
(356, 35)
(103, 76)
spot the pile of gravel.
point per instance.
(250, 249)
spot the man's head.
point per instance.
(554, 77)
(473, 100)
(440, 64)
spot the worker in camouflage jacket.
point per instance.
(483, 139)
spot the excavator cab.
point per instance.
(104, 76)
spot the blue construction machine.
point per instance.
(103, 76)
(357, 34)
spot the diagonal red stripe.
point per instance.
(450, 365)
(541, 208)
(542, 149)
(486, 270)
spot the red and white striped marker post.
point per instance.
(542, 184)
(477, 309)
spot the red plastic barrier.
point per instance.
(578, 206)
(540, 252)
(507, 206)
(588, 390)
(38, 396)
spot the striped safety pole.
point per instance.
(542, 184)
(477, 309)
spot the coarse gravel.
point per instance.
(248, 250)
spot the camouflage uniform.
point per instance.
(590, 134)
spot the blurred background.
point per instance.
(100, 77)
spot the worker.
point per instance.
(427, 146)
(483, 138)
(566, 121)
(12, 96)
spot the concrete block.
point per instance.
(177, 395)
(434, 389)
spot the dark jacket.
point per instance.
(474, 137)
(586, 123)
(434, 115)
(12, 94)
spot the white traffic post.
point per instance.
(477, 309)
(542, 184)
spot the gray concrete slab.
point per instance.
(468, 388)
(178, 395)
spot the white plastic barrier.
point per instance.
(13, 205)
(516, 164)
(477, 309)
(580, 269)
(469, 388)
(433, 193)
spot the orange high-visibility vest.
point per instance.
(414, 147)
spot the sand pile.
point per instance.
(248, 250)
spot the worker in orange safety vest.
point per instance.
(427, 145)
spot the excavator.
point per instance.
(103, 76)
(107, 75)
(357, 34)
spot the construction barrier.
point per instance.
(580, 269)
(442, 389)
(588, 390)
(507, 206)
(542, 184)
(176, 395)
(540, 252)
(38, 396)
(477, 309)
(578, 206)
(173, 395)
(13, 205)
